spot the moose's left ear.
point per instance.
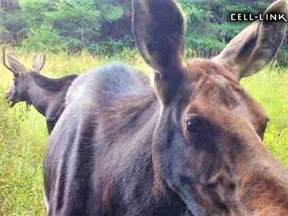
(158, 27)
(256, 45)
(38, 62)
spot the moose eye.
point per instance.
(193, 125)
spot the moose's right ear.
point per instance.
(14, 65)
(38, 62)
(256, 45)
(158, 28)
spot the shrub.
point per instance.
(13, 27)
(110, 47)
(44, 38)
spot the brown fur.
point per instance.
(256, 190)
(191, 146)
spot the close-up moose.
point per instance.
(189, 145)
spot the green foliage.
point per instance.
(44, 24)
(111, 47)
(205, 46)
(270, 89)
(21, 153)
(282, 57)
(44, 38)
(209, 28)
(102, 26)
(34, 10)
(76, 21)
(13, 27)
(112, 12)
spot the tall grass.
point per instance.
(23, 135)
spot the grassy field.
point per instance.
(23, 135)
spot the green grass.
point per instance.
(23, 135)
(270, 88)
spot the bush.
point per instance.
(110, 47)
(282, 58)
(13, 27)
(76, 21)
(34, 11)
(101, 27)
(44, 38)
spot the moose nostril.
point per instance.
(7, 95)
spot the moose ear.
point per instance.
(159, 29)
(38, 62)
(11, 62)
(14, 64)
(256, 45)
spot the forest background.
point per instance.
(103, 27)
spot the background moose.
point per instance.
(45, 94)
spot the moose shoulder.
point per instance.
(189, 146)
(45, 94)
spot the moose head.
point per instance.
(208, 135)
(22, 77)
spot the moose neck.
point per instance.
(39, 95)
(39, 98)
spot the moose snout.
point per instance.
(10, 97)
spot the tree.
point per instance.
(105, 26)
